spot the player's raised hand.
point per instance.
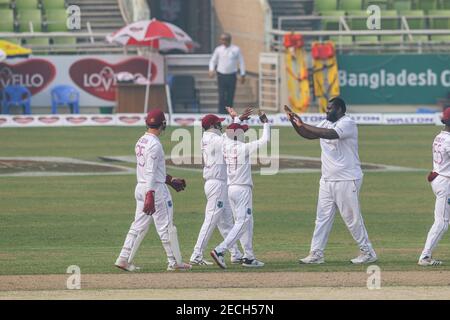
(262, 117)
(231, 112)
(298, 121)
(291, 114)
(246, 114)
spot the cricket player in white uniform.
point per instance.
(153, 199)
(440, 183)
(240, 184)
(340, 182)
(218, 211)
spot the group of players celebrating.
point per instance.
(229, 189)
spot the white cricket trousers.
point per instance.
(441, 188)
(217, 213)
(240, 197)
(342, 195)
(162, 218)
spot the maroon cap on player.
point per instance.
(237, 126)
(155, 118)
(446, 115)
(210, 120)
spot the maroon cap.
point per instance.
(237, 126)
(210, 120)
(155, 118)
(446, 115)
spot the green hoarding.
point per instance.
(394, 79)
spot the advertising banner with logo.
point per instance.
(94, 76)
(394, 79)
(187, 120)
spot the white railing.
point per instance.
(406, 43)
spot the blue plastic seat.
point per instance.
(64, 95)
(16, 96)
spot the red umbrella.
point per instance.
(158, 35)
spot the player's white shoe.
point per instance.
(428, 261)
(253, 263)
(200, 262)
(237, 260)
(179, 267)
(219, 259)
(365, 257)
(313, 258)
(123, 264)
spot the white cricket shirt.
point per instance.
(150, 162)
(237, 158)
(340, 159)
(441, 154)
(227, 60)
(214, 164)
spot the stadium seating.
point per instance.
(27, 16)
(426, 5)
(332, 23)
(56, 20)
(348, 5)
(53, 4)
(416, 21)
(390, 23)
(64, 95)
(37, 41)
(401, 5)
(358, 21)
(18, 96)
(325, 5)
(445, 4)
(26, 4)
(67, 44)
(7, 21)
(341, 39)
(440, 19)
(383, 4)
(5, 4)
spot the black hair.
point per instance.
(154, 126)
(339, 102)
(214, 126)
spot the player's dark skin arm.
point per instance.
(302, 132)
(323, 133)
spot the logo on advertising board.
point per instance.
(99, 78)
(35, 74)
(130, 119)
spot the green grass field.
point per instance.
(49, 223)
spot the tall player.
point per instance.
(218, 211)
(340, 182)
(153, 199)
(240, 191)
(440, 183)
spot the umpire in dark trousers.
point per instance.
(226, 60)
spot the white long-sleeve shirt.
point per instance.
(227, 60)
(441, 154)
(150, 162)
(214, 164)
(213, 160)
(237, 158)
